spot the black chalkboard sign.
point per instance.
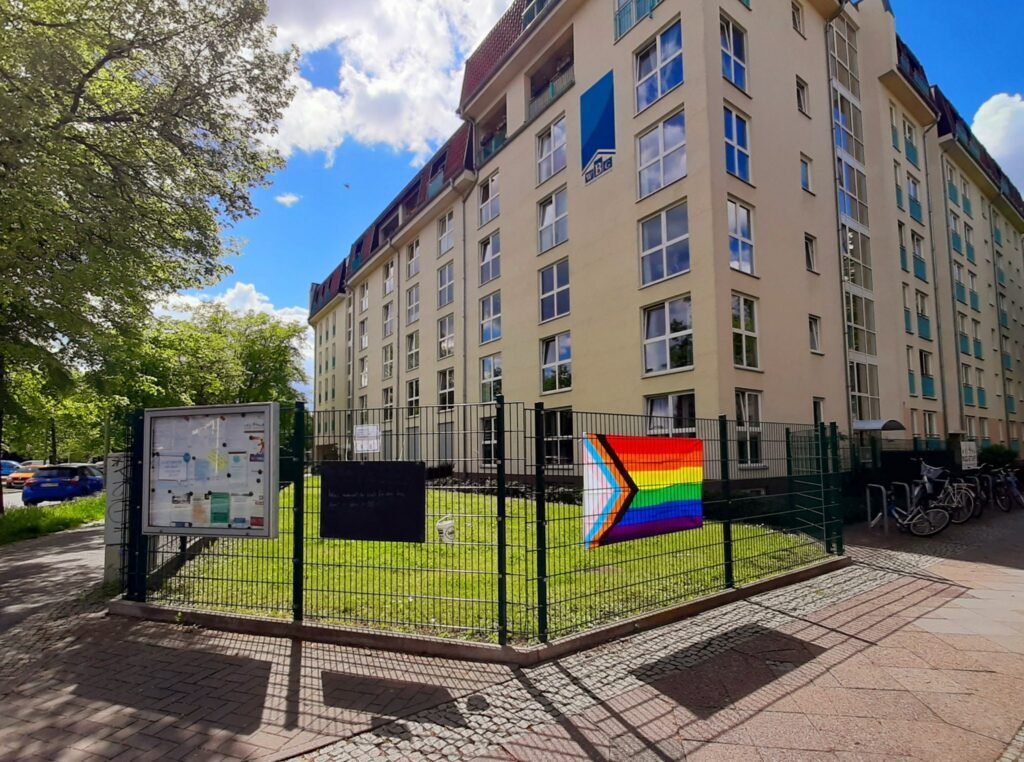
(373, 500)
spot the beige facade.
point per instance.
(734, 258)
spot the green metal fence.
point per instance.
(504, 558)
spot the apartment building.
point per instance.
(683, 209)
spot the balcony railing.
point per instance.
(488, 149)
(631, 13)
(435, 185)
(978, 351)
(903, 259)
(970, 253)
(911, 151)
(982, 397)
(895, 137)
(911, 383)
(915, 210)
(558, 85)
(997, 236)
(920, 269)
(973, 298)
(1011, 404)
(1007, 361)
(899, 196)
(968, 394)
(928, 387)
(986, 442)
(924, 326)
(908, 321)
(1004, 318)
(968, 209)
(954, 193)
(965, 343)
(1000, 276)
(958, 243)
(961, 292)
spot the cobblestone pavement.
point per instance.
(904, 655)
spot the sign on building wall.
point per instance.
(378, 500)
(968, 455)
(211, 471)
(597, 128)
(635, 487)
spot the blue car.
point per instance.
(8, 467)
(64, 482)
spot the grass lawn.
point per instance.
(451, 589)
(24, 523)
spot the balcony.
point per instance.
(958, 243)
(975, 305)
(915, 211)
(928, 387)
(961, 292)
(997, 236)
(911, 383)
(924, 326)
(903, 259)
(970, 253)
(985, 442)
(1000, 276)
(494, 131)
(920, 269)
(965, 344)
(546, 89)
(1004, 319)
(908, 321)
(968, 394)
(954, 194)
(911, 151)
(968, 209)
(435, 185)
(1011, 404)
(1007, 361)
(631, 13)
(978, 353)
(490, 147)
(899, 196)
(895, 137)
(982, 397)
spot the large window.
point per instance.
(556, 363)
(744, 331)
(389, 277)
(412, 304)
(364, 373)
(860, 324)
(665, 244)
(490, 377)
(446, 233)
(734, 52)
(490, 200)
(864, 401)
(490, 317)
(558, 440)
(668, 336)
(659, 66)
(387, 356)
(662, 153)
(490, 258)
(737, 144)
(857, 257)
(412, 397)
(446, 284)
(672, 414)
(553, 216)
(446, 337)
(741, 237)
(554, 290)
(412, 350)
(748, 428)
(387, 398)
(412, 260)
(364, 297)
(843, 59)
(446, 388)
(848, 126)
(852, 187)
(388, 318)
(364, 336)
(551, 150)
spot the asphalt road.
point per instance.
(12, 499)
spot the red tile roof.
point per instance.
(497, 45)
(321, 293)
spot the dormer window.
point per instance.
(390, 226)
(436, 175)
(532, 10)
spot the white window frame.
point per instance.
(814, 331)
(490, 317)
(412, 400)
(412, 304)
(490, 257)
(490, 207)
(657, 160)
(806, 173)
(810, 253)
(446, 233)
(661, 248)
(557, 288)
(490, 377)
(387, 361)
(446, 336)
(389, 276)
(670, 424)
(445, 284)
(749, 417)
(735, 210)
(364, 373)
(731, 63)
(387, 399)
(555, 433)
(803, 97)
(551, 155)
(364, 297)
(661, 343)
(558, 341)
(412, 259)
(446, 388)
(364, 335)
(661, 64)
(412, 350)
(388, 319)
(747, 309)
(797, 14)
(733, 120)
(553, 227)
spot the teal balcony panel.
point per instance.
(924, 326)
(982, 397)
(928, 387)
(954, 194)
(968, 394)
(920, 269)
(915, 211)
(961, 292)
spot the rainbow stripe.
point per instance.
(636, 487)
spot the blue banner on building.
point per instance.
(597, 128)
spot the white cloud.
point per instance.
(400, 73)
(999, 124)
(287, 199)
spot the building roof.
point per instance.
(322, 293)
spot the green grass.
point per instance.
(25, 523)
(451, 590)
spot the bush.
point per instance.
(997, 456)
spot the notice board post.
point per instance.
(298, 509)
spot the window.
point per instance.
(556, 363)
(389, 277)
(744, 331)
(662, 153)
(967, 374)
(551, 150)
(388, 313)
(412, 397)
(864, 401)
(853, 189)
(805, 174)
(412, 260)
(387, 397)
(668, 336)
(490, 200)
(734, 52)
(965, 193)
(909, 133)
(814, 326)
(810, 253)
(917, 246)
(818, 410)
(387, 355)
(364, 373)
(490, 258)
(364, 337)
(446, 233)
(446, 337)
(446, 284)
(554, 220)
(364, 297)
(554, 291)
(672, 414)
(659, 66)
(489, 440)
(857, 257)
(848, 126)
(490, 378)
(490, 317)
(925, 359)
(412, 350)
(797, 12)
(954, 222)
(665, 244)
(843, 55)
(803, 97)
(860, 324)
(558, 445)
(737, 145)
(971, 429)
(913, 189)
(930, 429)
(412, 304)
(748, 427)
(741, 237)
(446, 388)
(921, 302)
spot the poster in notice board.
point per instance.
(373, 500)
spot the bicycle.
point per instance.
(919, 518)
(956, 496)
(1006, 490)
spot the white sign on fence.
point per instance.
(968, 455)
(211, 471)
(366, 439)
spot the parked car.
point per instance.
(64, 482)
(8, 467)
(22, 475)
(33, 462)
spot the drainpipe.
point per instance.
(465, 306)
(938, 323)
(999, 328)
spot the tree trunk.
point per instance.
(53, 441)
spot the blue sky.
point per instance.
(379, 82)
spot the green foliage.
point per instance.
(24, 523)
(997, 455)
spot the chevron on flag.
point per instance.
(636, 487)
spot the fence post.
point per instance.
(837, 483)
(138, 543)
(826, 513)
(723, 447)
(540, 501)
(789, 471)
(502, 582)
(298, 510)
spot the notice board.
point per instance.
(373, 500)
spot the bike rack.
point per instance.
(906, 490)
(883, 515)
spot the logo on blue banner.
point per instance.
(597, 128)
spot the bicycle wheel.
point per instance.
(1017, 499)
(929, 522)
(960, 507)
(980, 500)
(1001, 497)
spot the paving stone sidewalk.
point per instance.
(905, 655)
